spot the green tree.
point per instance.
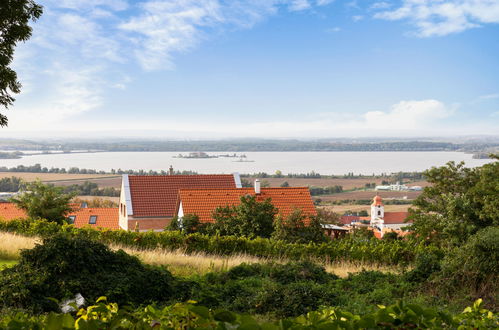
(41, 201)
(294, 228)
(459, 202)
(14, 18)
(250, 218)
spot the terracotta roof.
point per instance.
(204, 201)
(395, 217)
(347, 219)
(106, 217)
(377, 200)
(156, 196)
(9, 211)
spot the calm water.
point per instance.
(337, 163)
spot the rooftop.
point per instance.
(156, 195)
(204, 201)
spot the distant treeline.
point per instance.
(315, 191)
(87, 188)
(262, 145)
(254, 145)
(37, 168)
(10, 155)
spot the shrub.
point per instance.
(63, 267)
(474, 266)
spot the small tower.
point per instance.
(377, 208)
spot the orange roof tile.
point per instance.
(377, 200)
(156, 196)
(395, 217)
(106, 217)
(204, 201)
(9, 211)
(347, 219)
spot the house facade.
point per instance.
(386, 220)
(148, 202)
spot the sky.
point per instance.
(193, 69)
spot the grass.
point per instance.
(180, 263)
(7, 263)
(12, 244)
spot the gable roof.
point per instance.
(156, 195)
(395, 217)
(204, 201)
(106, 217)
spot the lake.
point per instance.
(337, 163)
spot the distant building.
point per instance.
(381, 219)
(147, 202)
(398, 187)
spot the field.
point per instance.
(347, 184)
(341, 209)
(361, 194)
(103, 180)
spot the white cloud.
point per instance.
(381, 5)
(298, 5)
(489, 96)
(357, 18)
(443, 17)
(334, 29)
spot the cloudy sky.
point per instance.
(259, 68)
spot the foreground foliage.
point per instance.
(398, 252)
(105, 315)
(63, 267)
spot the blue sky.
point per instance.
(259, 68)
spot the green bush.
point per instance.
(63, 267)
(187, 316)
(474, 266)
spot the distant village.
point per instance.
(151, 202)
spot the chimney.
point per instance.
(257, 187)
(170, 171)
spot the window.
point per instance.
(71, 219)
(379, 212)
(92, 220)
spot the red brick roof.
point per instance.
(204, 201)
(347, 219)
(106, 217)
(156, 196)
(395, 217)
(9, 211)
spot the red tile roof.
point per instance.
(395, 217)
(204, 201)
(106, 217)
(156, 196)
(347, 219)
(9, 211)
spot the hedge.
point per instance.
(398, 252)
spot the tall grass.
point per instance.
(181, 263)
(12, 244)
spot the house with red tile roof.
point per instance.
(203, 202)
(80, 217)
(148, 202)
